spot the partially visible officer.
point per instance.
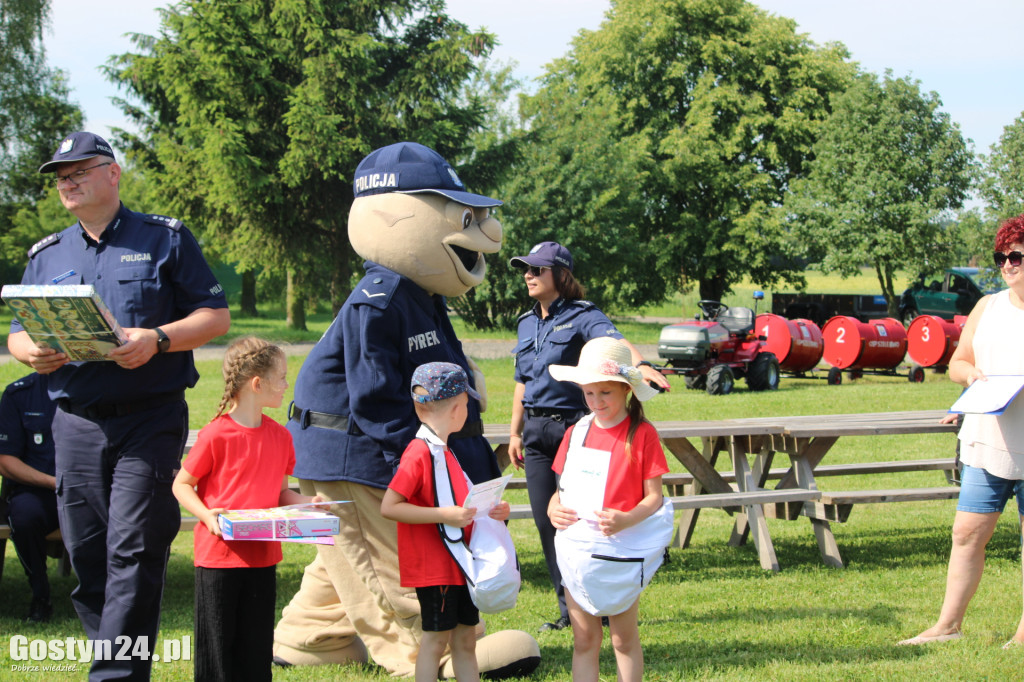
(26, 462)
(120, 426)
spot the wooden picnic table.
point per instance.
(806, 440)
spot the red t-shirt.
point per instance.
(423, 560)
(625, 486)
(239, 468)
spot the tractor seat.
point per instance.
(737, 320)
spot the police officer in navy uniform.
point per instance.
(553, 332)
(26, 463)
(121, 425)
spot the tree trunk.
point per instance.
(249, 294)
(712, 289)
(294, 304)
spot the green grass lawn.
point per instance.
(711, 613)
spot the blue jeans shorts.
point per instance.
(983, 493)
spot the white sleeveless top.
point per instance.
(996, 443)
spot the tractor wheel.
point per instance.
(720, 380)
(697, 382)
(763, 374)
(835, 376)
(916, 374)
(908, 315)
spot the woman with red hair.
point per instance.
(991, 446)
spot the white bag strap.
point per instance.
(444, 496)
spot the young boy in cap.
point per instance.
(440, 393)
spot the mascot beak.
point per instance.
(474, 232)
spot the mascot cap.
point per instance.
(75, 147)
(411, 168)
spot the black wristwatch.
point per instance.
(163, 342)
(644, 363)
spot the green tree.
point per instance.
(1002, 186)
(889, 169)
(662, 142)
(256, 113)
(34, 113)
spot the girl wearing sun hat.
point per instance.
(613, 523)
(553, 333)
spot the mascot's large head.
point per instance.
(412, 215)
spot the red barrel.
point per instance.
(796, 343)
(931, 340)
(852, 344)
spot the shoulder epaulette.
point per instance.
(48, 240)
(583, 304)
(525, 315)
(375, 290)
(166, 221)
(21, 384)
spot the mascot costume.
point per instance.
(423, 237)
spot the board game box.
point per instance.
(278, 523)
(71, 318)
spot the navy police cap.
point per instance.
(411, 168)
(75, 147)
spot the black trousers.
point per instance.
(33, 515)
(541, 438)
(234, 623)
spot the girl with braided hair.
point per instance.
(241, 460)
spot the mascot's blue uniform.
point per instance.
(423, 237)
(352, 417)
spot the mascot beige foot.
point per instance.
(509, 653)
(354, 653)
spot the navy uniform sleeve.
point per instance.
(12, 435)
(524, 345)
(378, 390)
(595, 323)
(195, 285)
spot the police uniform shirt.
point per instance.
(26, 413)
(361, 369)
(556, 340)
(149, 270)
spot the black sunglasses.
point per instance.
(1000, 258)
(534, 270)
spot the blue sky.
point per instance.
(971, 54)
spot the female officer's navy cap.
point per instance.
(411, 168)
(440, 380)
(75, 147)
(544, 255)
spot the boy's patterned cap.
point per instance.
(440, 380)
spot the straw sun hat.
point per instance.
(605, 359)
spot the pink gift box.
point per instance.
(276, 524)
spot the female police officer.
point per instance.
(552, 332)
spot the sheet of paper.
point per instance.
(991, 396)
(485, 495)
(583, 481)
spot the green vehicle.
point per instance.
(948, 294)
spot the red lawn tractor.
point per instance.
(718, 347)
